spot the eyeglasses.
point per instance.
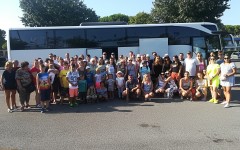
(104, 54)
(199, 56)
(212, 59)
(226, 58)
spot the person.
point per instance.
(89, 77)
(15, 65)
(63, 82)
(220, 59)
(111, 68)
(9, 85)
(201, 62)
(35, 70)
(132, 88)
(166, 63)
(122, 67)
(181, 58)
(201, 87)
(91, 94)
(131, 70)
(156, 68)
(191, 65)
(110, 86)
(102, 92)
(93, 65)
(227, 79)
(44, 88)
(213, 71)
(82, 89)
(176, 69)
(147, 87)
(72, 78)
(120, 82)
(144, 69)
(185, 86)
(171, 86)
(24, 79)
(98, 78)
(161, 84)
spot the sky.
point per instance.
(10, 10)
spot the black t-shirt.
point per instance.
(131, 84)
(9, 81)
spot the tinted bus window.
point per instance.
(210, 27)
(103, 37)
(70, 38)
(31, 39)
(181, 35)
(133, 34)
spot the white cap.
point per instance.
(147, 55)
(138, 55)
(87, 67)
(84, 60)
(119, 72)
(166, 55)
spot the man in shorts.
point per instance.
(132, 88)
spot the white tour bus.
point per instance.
(26, 44)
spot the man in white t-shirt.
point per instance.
(191, 65)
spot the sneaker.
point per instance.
(224, 102)
(227, 105)
(28, 107)
(181, 97)
(76, 104)
(215, 101)
(10, 111)
(38, 106)
(71, 105)
(191, 99)
(211, 100)
(42, 110)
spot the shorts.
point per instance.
(45, 95)
(64, 91)
(174, 75)
(73, 92)
(97, 85)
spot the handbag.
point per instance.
(30, 87)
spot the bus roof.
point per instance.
(193, 25)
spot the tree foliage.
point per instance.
(141, 18)
(233, 29)
(115, 17)
(55, 13)
(2, 38)
(166, 11)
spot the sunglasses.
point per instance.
(212, 59)
(226, 58)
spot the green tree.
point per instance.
(141, 18)
(55, 13)
(2, 38)
(115, 17)
(166, 11)
(232, 29)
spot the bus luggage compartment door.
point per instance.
(149, 45)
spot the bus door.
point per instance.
(199, 45)
(110, 50)
(149, 45)
(125, 51)
(94, 52)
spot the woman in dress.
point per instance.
(9, 85)
(24, 78)
(213, 70)
(157, 68)
(227, 79)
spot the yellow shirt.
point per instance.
(212, 70)
(63, 80)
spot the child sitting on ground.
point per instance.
(102, 92)
(91, 94)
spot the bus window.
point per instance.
(199, 46)
(213, 43)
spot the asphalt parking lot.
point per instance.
(160, 124)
